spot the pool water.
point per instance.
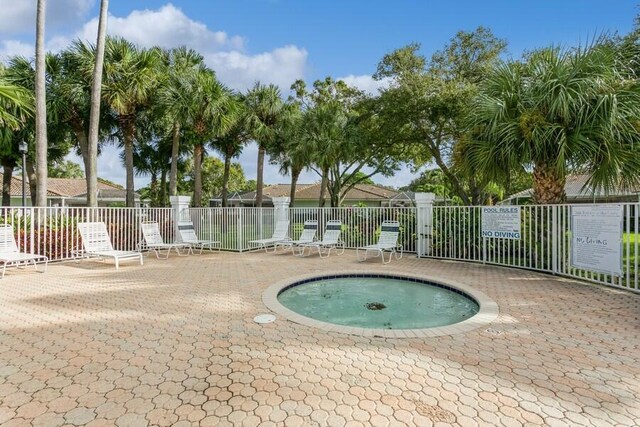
(378, 302)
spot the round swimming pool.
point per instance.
(378, 301)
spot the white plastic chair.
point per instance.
(10, 255)
(188, 235)
(387, 242)
(97, 243)
(279, 235)
(308, 235)
(153, 241)
(330, 240)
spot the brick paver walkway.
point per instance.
(173, 343)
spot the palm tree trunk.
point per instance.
(83, 142)
(91, 166)
(198, 150)
(548, 184)
(175, 151)
(31, 174)
(295, 174)
(41, 108)
(225, 179)
(163, 187)
(7, 176)
(324, 182)
(259, 175)
(155, 194)
(126, 124)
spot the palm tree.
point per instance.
(41, 108)
(290, 151)
(176, 98)
(129, 82)
(230, 145)
(264, 107)
(91, 172)
(15, 104)
(213, 115)
(559, 109)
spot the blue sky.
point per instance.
(281, 40)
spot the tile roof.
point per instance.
(61, 187)
(312, 192)
(576, 188)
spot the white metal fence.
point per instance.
(455, 233)
(545, 243)
(360, 226)
(53, 231)
(235, 227)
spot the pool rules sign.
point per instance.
(596, 238)
(501, 222)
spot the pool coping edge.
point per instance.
(488, 309)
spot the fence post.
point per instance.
(180, 205)
(281, 206)
(424, 219)
(556, 235)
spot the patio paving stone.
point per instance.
(173, 342)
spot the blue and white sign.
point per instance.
(501, 222)
(596, 238)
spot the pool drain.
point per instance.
(264, 318)
(375, 306)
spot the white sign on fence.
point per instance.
(501, 222)
(596, 238)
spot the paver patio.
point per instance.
(174, 343)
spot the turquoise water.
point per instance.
(375, 302)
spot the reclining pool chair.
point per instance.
(279, 235)
(188, 235)
(97, 243)
(153, 241)
(387, 242)
(330, 240)
(10, 255)
(308, 236)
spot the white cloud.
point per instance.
(9, 48)
(366, 83)
(282, 66)
(169, 27)
(166, 27)
(19, 16)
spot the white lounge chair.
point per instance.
(279, 235)
(188, 235)
(97, 243)
(153, 241)
(10, 255)
(308, 235)
(330, 240)
(387, 242)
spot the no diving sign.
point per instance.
(501, 222)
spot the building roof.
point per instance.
(68, 187)
(361, 192)
(576, 188)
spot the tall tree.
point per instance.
(289, 151)
(425, 106)
(94, 119)
(214, 114)
(339, 128)
(230, 145)
(561, 108)
(176, 98)
(41, 107)
(265, 108)
(130, 79)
